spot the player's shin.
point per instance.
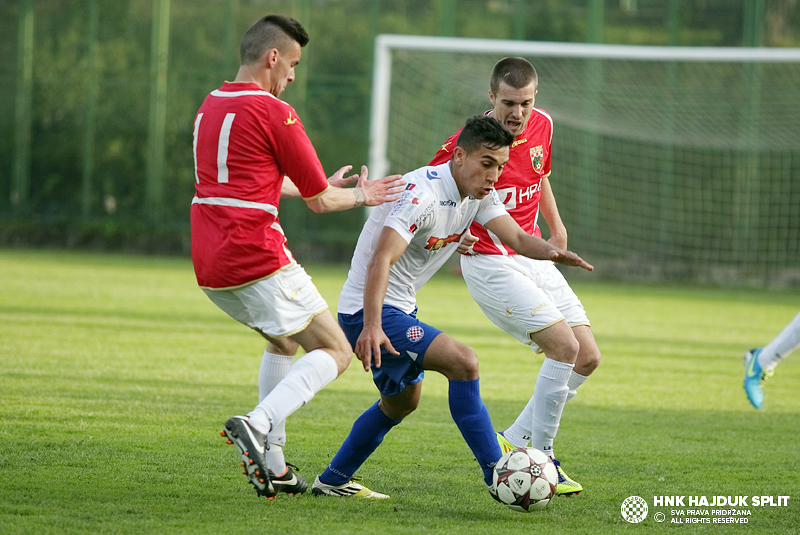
(549, 398)
(310, 374)
(475, 424)
(364, 438)
(273, 369)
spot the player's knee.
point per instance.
(466, 366)
(339, 349)
(398, 409)
(343, 356)
(565, 351)
(588, 360)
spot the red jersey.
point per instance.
(245, 141)
(519, 186)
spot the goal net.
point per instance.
(668, 162)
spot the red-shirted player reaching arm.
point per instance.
(246, 140)
(529, 299)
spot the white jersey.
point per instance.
(431, 216)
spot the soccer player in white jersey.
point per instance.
(246, 141)
(760, 362)
(401, 246)
(530, 299)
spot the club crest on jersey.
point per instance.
(434, 243)
(415, 333)
(537, 158)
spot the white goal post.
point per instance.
(668, 162)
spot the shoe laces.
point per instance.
(765, 375)
(562, 478)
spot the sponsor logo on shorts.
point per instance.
(415, 333)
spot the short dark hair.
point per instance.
(483, 130)
(516, 72)
(272, 31)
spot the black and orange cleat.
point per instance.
(290, 482)
(251, 447)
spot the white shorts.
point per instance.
(520, 295)
(280, 306)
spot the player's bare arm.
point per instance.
(289, 190)
(368, 346)
(531, 246)
(337, 180)
(549, 209)
(366, 192)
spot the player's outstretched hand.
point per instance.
(466, 243)
(368, 347)
(338, 180)
(568, 258)
(377, 192)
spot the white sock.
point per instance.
(575, 380)
(273, 369)
(310, 374)
(274, 457)
(550, 396)
(519, 433)
(787, 341)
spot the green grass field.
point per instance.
(116, 373)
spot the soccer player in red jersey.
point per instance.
(529, 299)
(246, 143)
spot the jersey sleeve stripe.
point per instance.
(317, 196)
(497, 242)
(237, 203)
(550, 119)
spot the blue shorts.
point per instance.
(409, 336)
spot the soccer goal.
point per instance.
(668, 162)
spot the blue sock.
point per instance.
(472, 419)
(364, 438)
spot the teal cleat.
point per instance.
(754, 377)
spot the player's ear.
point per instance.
(271, 57)
(491, 97)
(459, 153)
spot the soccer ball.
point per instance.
(525, 480)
